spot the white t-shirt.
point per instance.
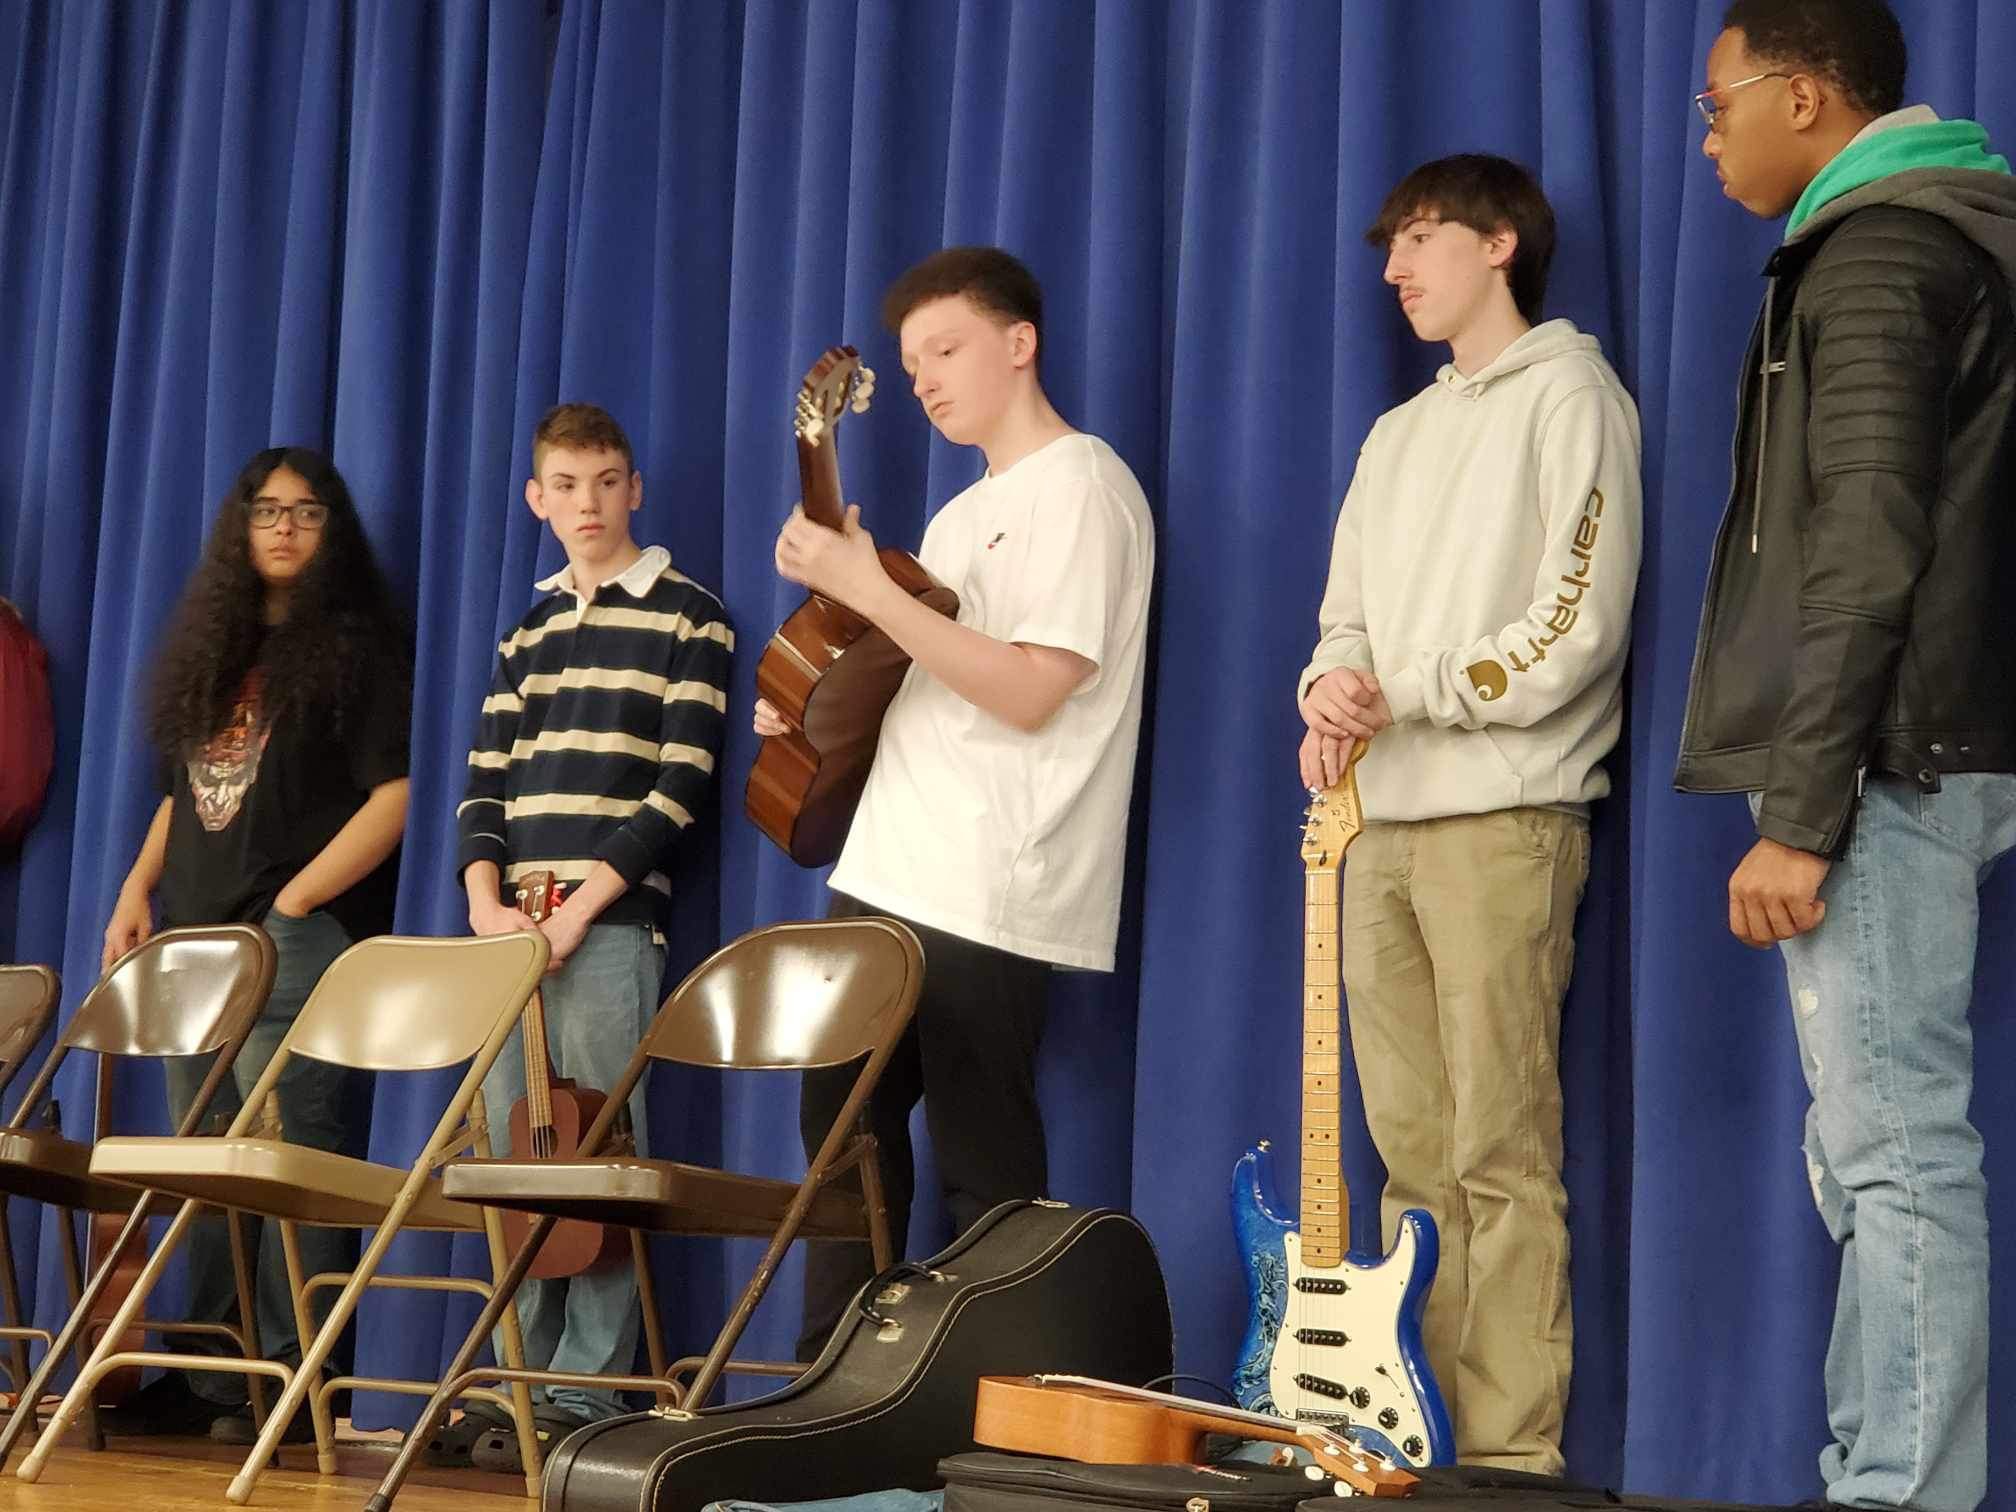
(1017, 839)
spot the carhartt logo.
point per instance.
(1488, 678)
(997, 540)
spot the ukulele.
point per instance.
(547, 1124)
(1102, 1423)
(1334, 1337)
(828, 672)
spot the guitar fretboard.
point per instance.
(1324, 1227)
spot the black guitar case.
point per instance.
(1031, 1287)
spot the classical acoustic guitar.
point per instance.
(828, 672)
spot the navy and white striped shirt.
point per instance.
(600, 736)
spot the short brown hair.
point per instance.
(580, 427)
(993, 279)
(1483, 192)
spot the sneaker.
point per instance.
(167, 1406)
(236, 1428)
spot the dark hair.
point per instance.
(343, 635)
(1856, 45)
(995, 281)
(580, 427)
(1485, 193)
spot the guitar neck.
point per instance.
(819, 480)
(535, 898)
(1213, 1417)
(1336, 816)
(1323, 1217)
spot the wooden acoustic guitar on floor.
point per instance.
(1106, 1423)
(828, 672)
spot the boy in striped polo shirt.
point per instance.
(596, 747)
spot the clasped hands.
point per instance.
(1341, 706)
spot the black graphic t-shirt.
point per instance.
(261, 799)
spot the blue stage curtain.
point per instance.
(401, 230)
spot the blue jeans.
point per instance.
(1880, 992)
(597, 1008)
(320, 1105)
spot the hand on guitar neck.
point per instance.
(548, 1121)
(1344, 709)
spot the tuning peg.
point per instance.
(864, 389)
(814, 428)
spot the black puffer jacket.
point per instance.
(1861, 604)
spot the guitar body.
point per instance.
(1032, 1286)
(573, 1246)
(1341, 1345)
(831, 674)
(828, 672)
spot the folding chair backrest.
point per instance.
(794, 995)
(392, 1003)
(27, 1003)
(182, 992)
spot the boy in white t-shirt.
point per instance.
(994, 821)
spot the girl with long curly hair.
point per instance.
(280, 705)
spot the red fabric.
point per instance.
(27, 725)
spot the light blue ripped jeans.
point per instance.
(1880, 993)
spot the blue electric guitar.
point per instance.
(1335, 1336)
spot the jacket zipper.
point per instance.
(1757, 347)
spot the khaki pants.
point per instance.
(1458, 938)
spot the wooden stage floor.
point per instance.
(182, 1474)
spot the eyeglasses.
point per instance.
(304, 516)
(1711, 108)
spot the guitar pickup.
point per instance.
(1333, 1337)
(1320, 1387)
(1326, 1286)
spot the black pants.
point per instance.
(970, 1053)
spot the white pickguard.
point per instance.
(1368, 1314)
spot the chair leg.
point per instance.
(315, 1355)
(10, 1288)
(304, 1328)
(78, 1397)
(73, 1273)
(501, 1305)
(248, 1313)
(647, 1302)
(877, 1203)
(514, 1351)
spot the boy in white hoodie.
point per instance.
(1475, 623)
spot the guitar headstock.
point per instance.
(1366, 1471)
(838, 382)
(1334, 817)
(535, 895)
